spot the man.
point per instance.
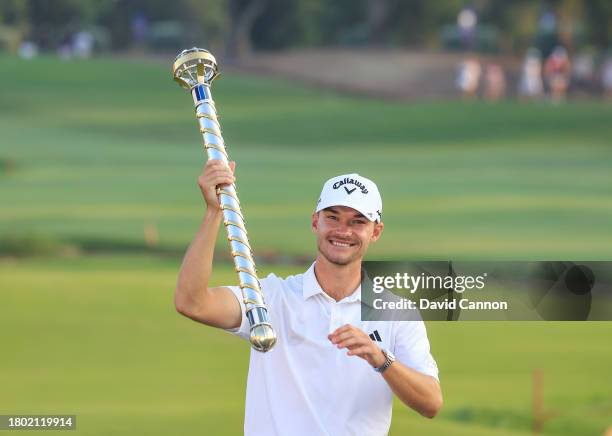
(557, 71)
(329, 373)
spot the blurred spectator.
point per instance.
(584, 76)
(468, 77)
(82, 44)
(546, 34)
(495, 82)
(557, 72)
(606, 75)
(140, 29)
(27, 50)
(467, 21)
(530, 84)
(64, 49)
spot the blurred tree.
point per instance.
(503, 15)
(242, 15)
(519, 27)
(207, 21)
(280, 24)
(418, 22)
(571, 18)
(120, 17)
(14, 24)
(52, 22)
(291, 23)
(377, 17)
(13, 12)
(343, 22)
(240, 25)
(598, 15)
(308, 26)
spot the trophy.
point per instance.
(195, 69)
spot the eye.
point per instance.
(332, 217)
(360, 222)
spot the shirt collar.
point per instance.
(311, 287)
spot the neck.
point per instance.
(338, 281)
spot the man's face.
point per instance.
(343, 234)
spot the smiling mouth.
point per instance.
(341, 244)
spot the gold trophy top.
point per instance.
(194, 66)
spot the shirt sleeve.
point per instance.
(244, 329)
(412, 348)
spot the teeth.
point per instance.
(340, 244)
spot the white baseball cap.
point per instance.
(352, 190)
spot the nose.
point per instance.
(343, 229)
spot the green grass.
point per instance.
(99, 148)
(98, 337)
(91, 151)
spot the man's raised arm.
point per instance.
(193, 298)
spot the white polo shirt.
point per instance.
(305, 385)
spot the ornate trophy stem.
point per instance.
(195, 69)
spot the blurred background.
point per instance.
(486, 124)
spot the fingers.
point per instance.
(356, 341)
(210, 181)
(219, 178)
(344, 328)
(338, 338)
(351, 342)
(216, 172)
(349, 337)
(362, 351)
(218, 163)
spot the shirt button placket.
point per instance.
(335, 318)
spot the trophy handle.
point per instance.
(195, 69)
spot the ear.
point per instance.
(314, 225)
(378, 229)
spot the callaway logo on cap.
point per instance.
(352, 190)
